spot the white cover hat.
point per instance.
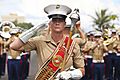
(5, 34)
(98, 34)
(113, 30)
(57, 11)
(14, 30)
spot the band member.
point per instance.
(1, 48)
(46, 45)
(5, 27)
(13, 63)
(87, 51)
(117, 59)
(4, 36)
(98, 62)
(110, 57)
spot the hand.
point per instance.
(78, 25)
(64, 75)
(74, 74)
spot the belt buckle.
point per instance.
(110, 51)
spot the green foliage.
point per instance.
(113, 17)
(103, 20)
(23, 25)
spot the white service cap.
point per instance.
(14, 30)
(57, 11)
(113, 30)
(5, 34)
(98, 34)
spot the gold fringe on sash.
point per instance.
(46, 72)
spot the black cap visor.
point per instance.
(57, 16)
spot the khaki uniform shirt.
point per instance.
(1, 46)
(87, 47)
(112, 42)
(45, 45)
(117, 45)
(14, 54)
(98, 51)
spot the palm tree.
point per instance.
(103, 20)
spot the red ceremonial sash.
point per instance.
(58, 58)
(53, 64)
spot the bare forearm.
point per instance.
(17, 45)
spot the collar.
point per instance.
(49, 39)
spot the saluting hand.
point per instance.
(78, 25)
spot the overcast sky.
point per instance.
(33, 9)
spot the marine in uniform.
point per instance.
(98, 49)
(87, 51)
(4, 37)
(117, 59)
(13, 63)
(111, 55)
(46, 45)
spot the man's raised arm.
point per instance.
(17, 45)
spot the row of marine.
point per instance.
(16, 62)
(102, 56)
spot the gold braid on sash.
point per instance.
(53, 64)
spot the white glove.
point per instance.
(75, 74)
(25, 36)
(64, 75)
